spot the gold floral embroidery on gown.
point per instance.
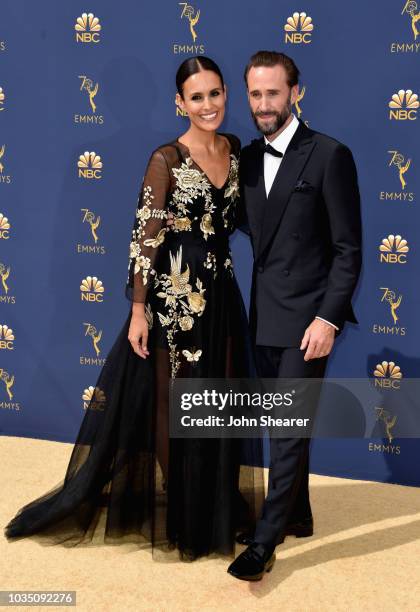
(192, 494)
(175, 264)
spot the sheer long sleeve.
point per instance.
(149, 228)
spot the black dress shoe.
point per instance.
(300, 529)
(252, 563)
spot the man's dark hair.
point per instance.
(274, 58)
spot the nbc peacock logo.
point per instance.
(2, 99)
(93, 398)
(298, 29)
(393, 249)
(403, 106)
(6, 338)
(87, 28)
(4, 227)
(92, 289)
(387, 375)
(89, 165)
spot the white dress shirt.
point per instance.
(272, 164)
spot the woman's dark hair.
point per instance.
(274, 58)
(191, 66)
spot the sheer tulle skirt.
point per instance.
(127, 480)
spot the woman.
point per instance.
(187, 320)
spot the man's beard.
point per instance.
(279, 119)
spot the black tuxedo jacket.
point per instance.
(306, 236)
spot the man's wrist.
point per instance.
(329, 322)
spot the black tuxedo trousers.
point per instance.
(288, 482)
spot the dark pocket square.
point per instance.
(303, 186)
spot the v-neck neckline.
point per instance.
(201, 169)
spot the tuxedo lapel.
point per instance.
(293, 163)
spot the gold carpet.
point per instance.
(364, 555)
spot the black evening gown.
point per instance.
(189, 494)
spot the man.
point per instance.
(302, 205)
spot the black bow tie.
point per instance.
(267, 148)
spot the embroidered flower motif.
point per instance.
(137, 258)
(196, 302)
(181, 303)
(228, 265)
(232, 189)
(182, 224)
(186, 323)
(210, 263)
(206, 225)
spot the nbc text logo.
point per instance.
(387, 375)
(393, 249)
(92, 290)
(4, 227)
(93, 398)
(87, 28)
(6, 338)
(180, 112)
(404, 105)
(298, 29)
(90, 165)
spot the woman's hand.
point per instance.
(138, 332)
